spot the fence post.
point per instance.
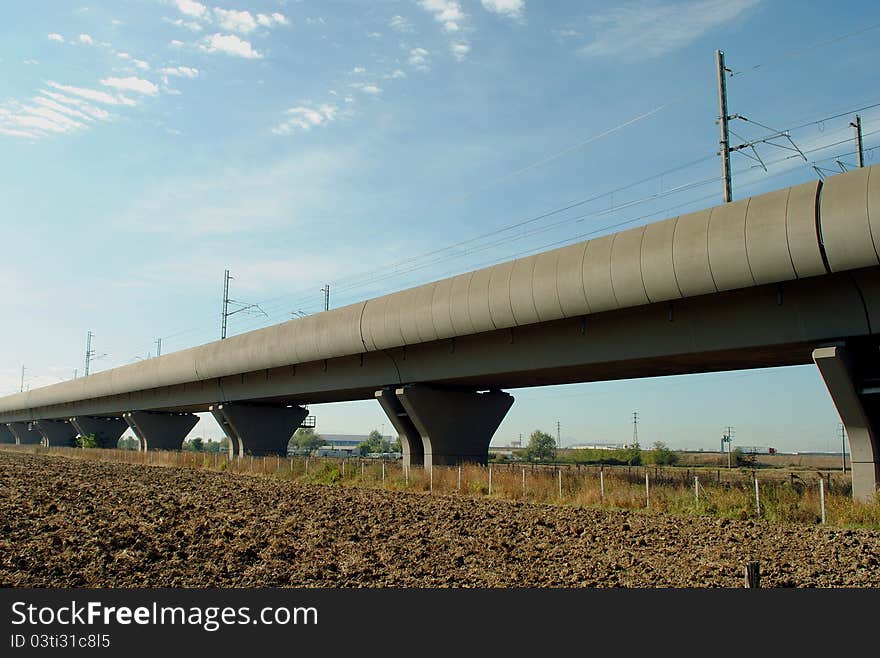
(602, 483)
(383, 471)
(291, 464)
(524, 482)
(343, 468)
(307, 465)
(560, 483)
(822, 496)
(406, 473)
(753, 574)
(757, 497)
(362, 468)
(647, 491)
(459, 477)
(431, 478)
(490, 480)
(697, 488)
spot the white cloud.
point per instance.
(374, 35)
(85, 107)
(270, 20)
(460, 50)
(235, 21)
(508, 8)
(137, 85)
(446, 12)
(35, 121)
(174, 43)
(400, 24)
(141, 64)
(181, 71)
(367, 88)
(86, 39)
(190, 25)
(229, 44)
(64, 109)
(396, 73)
(418, 58)
(93, 94)
(359, 70)
(30, 61)
(191, 8)
(55, 37)
(650, 28)
(304, 118)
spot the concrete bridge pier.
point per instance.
(107, 429)
(258, 429)
(160, 430)
(454, 426)
(410, 438)
(6, 436)
(57, 432)
(852, 376)
(26, 433)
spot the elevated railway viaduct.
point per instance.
(785, 278)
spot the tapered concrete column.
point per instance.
(6, 436)
(258, 429)
(26, 433)
(57, 432)
(410, 439)
(858, 405)
(160, 430)
(107, 429)
(455, 426)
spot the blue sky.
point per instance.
(148, 145)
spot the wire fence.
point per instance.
(781, 495)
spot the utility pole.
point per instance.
(326, 291)
(558, 435)
(158, 347)
(89, 353)
(842, 446)
(226, 301)
(635, 428)
(860, 147)
(723, 118)
(728, 439)
(226, 278)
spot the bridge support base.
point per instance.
(26, 433)
(57, 432)
(850, 374)
(6, 435)
(107, 429)
(454, 426)
(160, 430)
(258, 429)
(410, 439)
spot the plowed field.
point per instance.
(76, 523)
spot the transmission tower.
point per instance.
(635, 428)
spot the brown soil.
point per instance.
(75, 523)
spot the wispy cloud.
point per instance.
(180, 71)
(418, 58)
(400, 24)
(367, 88)
(460, 50)
(137, 85)
(651, 28)
(86, 39)
(93, 94)
(303, 118)
(230, 45)
(508, 8)
(54, 36)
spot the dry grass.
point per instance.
(783, 496)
